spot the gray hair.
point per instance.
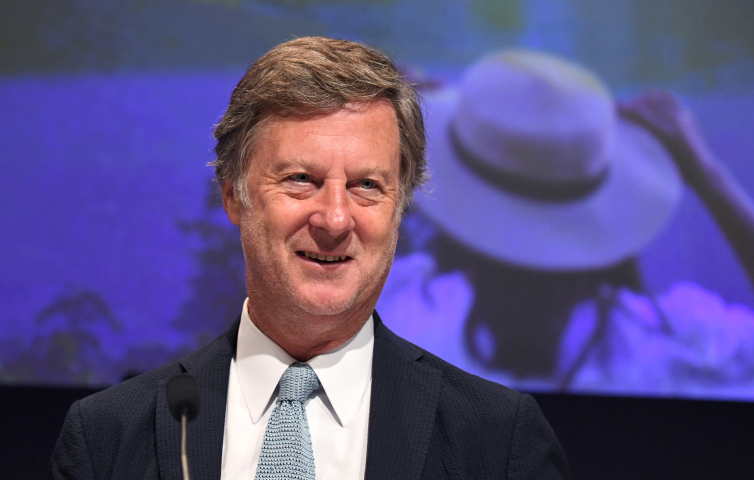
(317, 76)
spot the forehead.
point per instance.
(359, 133)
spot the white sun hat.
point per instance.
(531, 164)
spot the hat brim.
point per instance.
(614, 222)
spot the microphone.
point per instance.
(183, 402)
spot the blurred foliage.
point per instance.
(707, 34)
(69, 346)
(304, 3)
(65, 36)
(292, 3)
(671, 39)
(219, 287)
(636, 41)
(66, 346)
(505, 15)
(81, 310)
(227, 3)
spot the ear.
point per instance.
(232, 203)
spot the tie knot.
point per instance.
(298, 382)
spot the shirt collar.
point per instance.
(344, 372)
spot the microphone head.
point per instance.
(183, 396)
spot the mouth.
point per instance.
(323, 259)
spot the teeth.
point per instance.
(324, 258)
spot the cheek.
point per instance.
(379, 231)
(254, 232)
(283, 218)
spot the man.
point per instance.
(317, 154)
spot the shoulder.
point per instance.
(103, 430)
(128, 400)
(458, 386)
(137, 397)
(517, 435)
(468, 400)
(109, 430)
(462, 387)
(481, 423)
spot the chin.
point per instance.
(324, 307)
(326, 303)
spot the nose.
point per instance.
(333, 212)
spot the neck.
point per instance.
(304, 335)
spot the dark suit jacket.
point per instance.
(427, 420)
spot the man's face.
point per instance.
(320, 231)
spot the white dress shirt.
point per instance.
(338, 414)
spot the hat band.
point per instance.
(544, 190)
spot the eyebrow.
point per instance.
(309, 165)
(297, 162)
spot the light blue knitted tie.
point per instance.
(287, 446)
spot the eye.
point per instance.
(368, 184)
(301, 178)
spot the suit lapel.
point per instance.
(210, 366)
(402, 410)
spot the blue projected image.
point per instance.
(565, 242)
(524, 256)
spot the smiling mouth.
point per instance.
(319, 258)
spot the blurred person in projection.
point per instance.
(524, 253)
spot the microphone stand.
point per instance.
(184, 458)
(182, 394)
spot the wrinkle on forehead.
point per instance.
(342, 137)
